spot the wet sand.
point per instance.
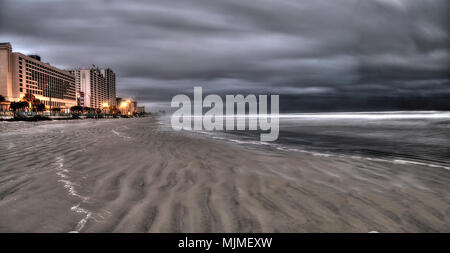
(130, 175)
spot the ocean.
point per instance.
(409, 137)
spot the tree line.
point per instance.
(35, 105)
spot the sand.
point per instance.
(131, 175)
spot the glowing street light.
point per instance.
(105, 106)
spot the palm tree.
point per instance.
(29, 97)
(35, 104)
(40, 107)
(32, 101)
(17, 106)
(76, 108)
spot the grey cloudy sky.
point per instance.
(319, 55)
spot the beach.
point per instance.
(135, 175)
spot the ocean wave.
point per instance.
(70, 186)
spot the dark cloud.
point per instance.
(318, 55)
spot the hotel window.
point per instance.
(21, 90)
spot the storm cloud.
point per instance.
(320, 55)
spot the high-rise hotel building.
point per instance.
(90, 87)
(21, 74)
(6, 70)
(110, 85)
(95, 87)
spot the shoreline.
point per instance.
(71, 117)
(134, 176)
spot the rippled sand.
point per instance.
(129, 175)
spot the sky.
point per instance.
(318, 55)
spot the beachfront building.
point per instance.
(110, 86)
(6, 70)
(84, 86)
(95, 87)
(126, 106)
(118, 101)
(140, 109)
(90, 87)
(21, 74)
(4, 106)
